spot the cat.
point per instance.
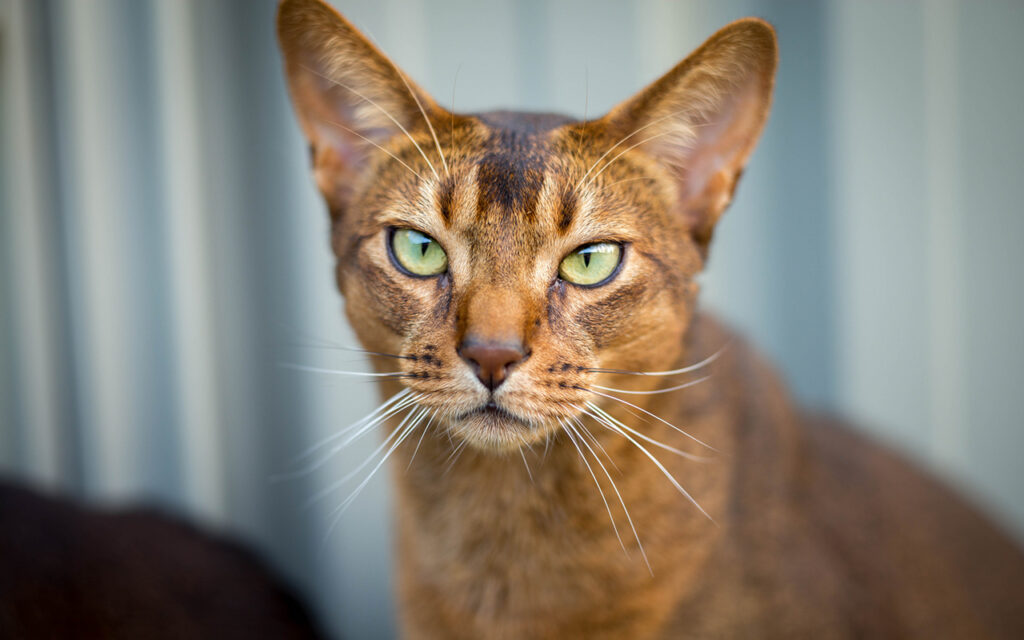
(581, 452)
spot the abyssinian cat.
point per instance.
(581, 453)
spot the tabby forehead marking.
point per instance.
(510, 175)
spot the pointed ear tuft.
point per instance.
(702, 119)
(349, 97)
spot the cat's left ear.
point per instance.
(702, 119)
(349, 97)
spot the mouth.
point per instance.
(492, 427)
(492, 412)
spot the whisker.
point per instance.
(623, 139)
(398, 397)
(611, 421)
(612, 184)
(386, 113)
(361, 428)
(688, 368)
(430, 126)
(528, 472)
(584, 430)
(656, 417)
(453, 457)
(365, 139)
(451, 135)
(655, 391)
(572, 438)
(338, 347)
(635, 131)
(625, 151)
(337, 372)
(586, 107)
(629, 519)
(661, 467)
(330, 488)
(426, 428)
(340, 509)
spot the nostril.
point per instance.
(491, 360)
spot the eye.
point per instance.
(417, 253)
(591, 264)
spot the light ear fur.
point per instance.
(349, 97)
(702, 119)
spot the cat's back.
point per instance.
(910, 558)
(832, 535)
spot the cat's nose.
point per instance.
(491, 360)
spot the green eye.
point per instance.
(418, 253)
(591, 264)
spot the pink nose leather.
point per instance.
(491, 360)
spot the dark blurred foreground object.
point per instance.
(73, 572)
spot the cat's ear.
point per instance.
(349, 96)
(702, 119)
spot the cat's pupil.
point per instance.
(424, 245)
(586, 259)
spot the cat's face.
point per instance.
(509, 260)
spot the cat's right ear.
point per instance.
(349, 97)
(701, 120)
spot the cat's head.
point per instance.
(509, 258)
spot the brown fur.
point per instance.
(815, 533)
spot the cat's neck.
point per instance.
(500, 533)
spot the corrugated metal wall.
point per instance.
(163, 249)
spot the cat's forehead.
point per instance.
(514, 177)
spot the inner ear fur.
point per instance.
(349, 97)
(701, 120)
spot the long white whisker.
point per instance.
(623, 152)
(455, 81)
(340, 509)
(586, 107)
(453, 457)
(688, 368)
(365, 139)
(426, 428)
(351, 474)
(635, 131)
(362, 430)
(430, 126)
(336, 372)
(623, 139)
(615, 528)
(615, 424)
(629, 519)
(655, 391)
(386, 113)
(525, 464)
(663, 470)
(585, 431)
(339, 434)
(656, 417)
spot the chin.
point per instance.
(491, 428)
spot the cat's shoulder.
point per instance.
(913, 553)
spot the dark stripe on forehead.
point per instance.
(445, 194)
(510, 176)
(567, 209)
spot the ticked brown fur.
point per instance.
(512, 521)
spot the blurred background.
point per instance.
(162, 248)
